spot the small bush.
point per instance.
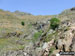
(37, 35)
(22, 23)
(54, 23)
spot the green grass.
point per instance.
(51, 50)
(11, 44)
(37, 35)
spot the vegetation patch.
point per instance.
(37, 35)
(50, 36)
(10, 43)
(22, 23)
(51, 50)
(54, 23)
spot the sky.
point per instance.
(37, 7)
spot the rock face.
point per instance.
(73, 44)
(47, 46)
(67, 41)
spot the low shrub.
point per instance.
(54, 23)
(22, 23)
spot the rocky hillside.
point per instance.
(23, 34)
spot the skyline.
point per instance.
(37, 7)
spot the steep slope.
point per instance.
(14, 37)
(36, 35)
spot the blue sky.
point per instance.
(37, 7)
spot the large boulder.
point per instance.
(66, 40)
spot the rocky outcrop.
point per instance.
(66, 41)
(47, 46)
(73, 9)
